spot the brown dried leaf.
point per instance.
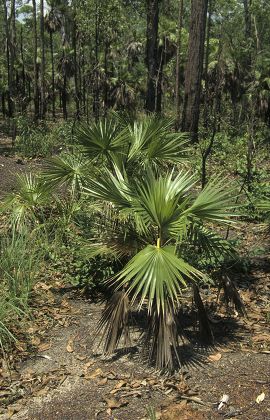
(261, 337)
(94, 374)
(215, 357)
(114, 403)
(44, 347)
(70, 345)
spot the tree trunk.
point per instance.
(77, 93)
(42, 64)
(194, 68)
(152, 53)
(64, 97)
(96, 72)
(178, 59)
(9, 97)
(53, 76)
(36, 90)
(207, 52)
(24, 99)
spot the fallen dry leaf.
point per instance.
(113, 403)
(260, 398)
(44, 347)
(94, 374)
(261, 337)
(215, 357)
(70, 345)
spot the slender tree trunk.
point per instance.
(42, 64)
(96, 72)
(9, 97)
(194, 68)
(36, 90)
(24, 100)
(53, 76)
(64, 97)
(77, 93)
(106, 50)
(152, 53)
(12, 52)
(207, 52)
(178, 60)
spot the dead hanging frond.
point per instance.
(161, 340)
(231, 295)
(206, 333)
(114, 322)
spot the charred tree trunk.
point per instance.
(152, 53)
(194, 68)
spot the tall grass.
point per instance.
(20, 260)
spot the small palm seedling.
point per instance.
(26, 203)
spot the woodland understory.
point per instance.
(134, 209)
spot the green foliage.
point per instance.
(41, 140)
(20, 263)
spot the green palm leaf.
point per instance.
(214, 203)
(155, 274)
(68, 169)
(102, 141)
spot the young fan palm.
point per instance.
(161, 209)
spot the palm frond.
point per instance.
(206, 241)
(161, 340)
(70, 169)
(29, 195)
(103, 141)
(206, 333)
(152, 140)
(110, 188)
(214, 203)
(114, 321)
(154, 275)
